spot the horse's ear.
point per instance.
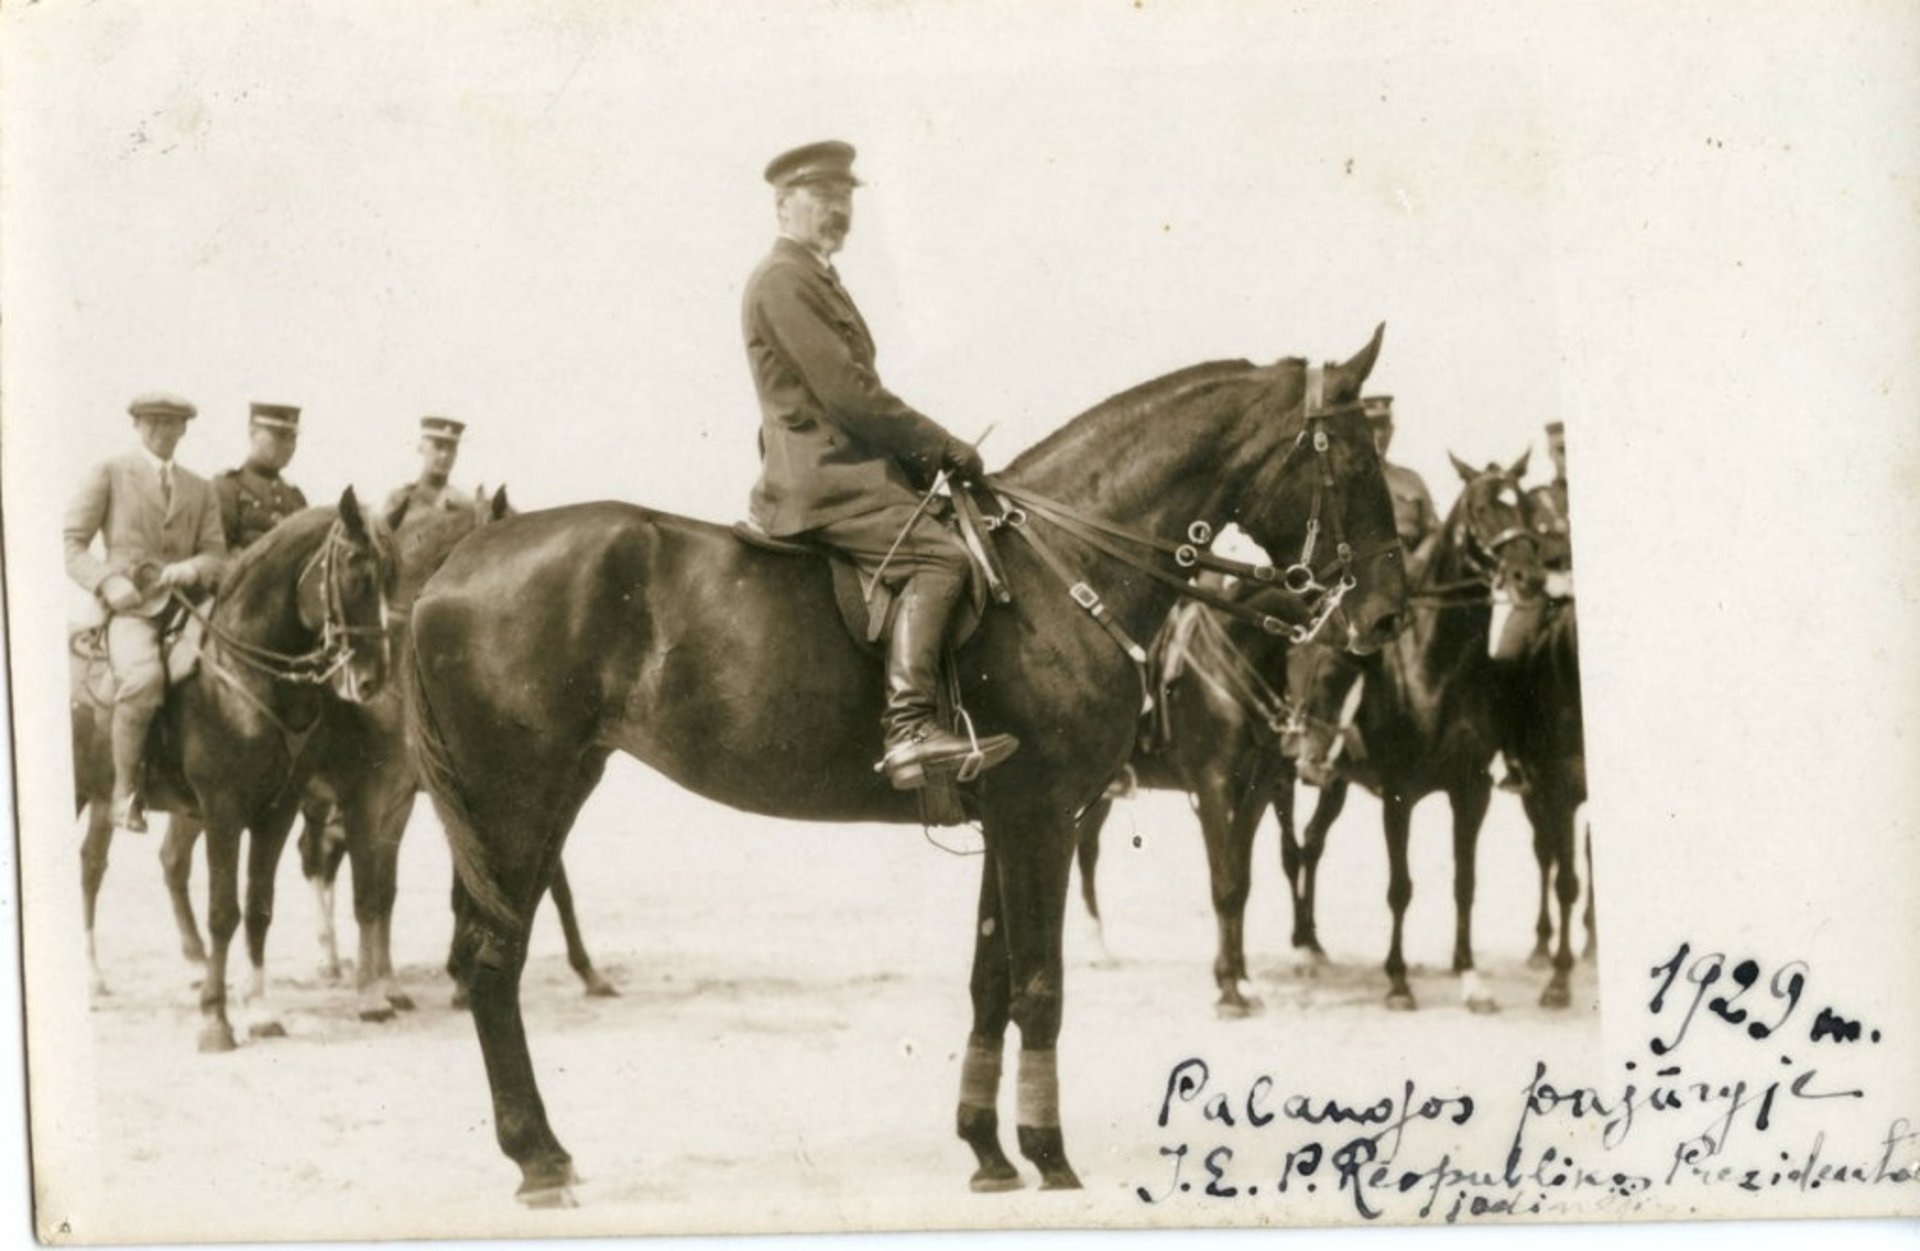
(351, 517)
(1519, 469)
(1354, 372)
(500, 509)
(1467, 472)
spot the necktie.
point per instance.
(166, 485)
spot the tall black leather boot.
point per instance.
(916, 742)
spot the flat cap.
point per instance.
(274, 416)
(161, 404)
(827, 161)
(445, 428)
(1377, 407)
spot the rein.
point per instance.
(1210, 654)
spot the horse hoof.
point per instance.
(1589, 954)
(993, 1181)
(1556, 996)
(1482, 1005)
(378, 1016)
(548, 1198)
(1400, 1001)
(1059, 1177)
(1237, 1009)
(216, 1039)
(460, 1001)
(1540, 960)
(266, 1029)
(401, 1001)
(600, 988)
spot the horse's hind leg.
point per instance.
(978, 1119)
(1326, 810)
(577, 958)
(1559, 810)
(1542, 954)
(1396, 816)
(1469, 801)
(176, 868)
(522, 828)
(1591, 951)
(1228, 821)
(268, 839)
(93, 869)
(1087, 854)
(393, 814)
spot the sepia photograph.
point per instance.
(656, 619)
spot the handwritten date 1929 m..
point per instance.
(1763, 1015)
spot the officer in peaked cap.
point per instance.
(439, 449)
(159, 526)
(844, 461)
(1413, 514)
(255, 497)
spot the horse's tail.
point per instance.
(434, 765)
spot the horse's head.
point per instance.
(424, 545)
(1322, 509)
(1546, 513)
(1323, 692)
(1491, 533)
(343, 595)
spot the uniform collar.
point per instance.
(795, 245)
(260, 471)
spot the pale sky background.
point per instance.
(1688, 230)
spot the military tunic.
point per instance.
(422, 500)
(252, 503)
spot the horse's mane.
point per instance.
(1156, 393)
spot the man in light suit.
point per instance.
(160, 527)
(844, 460)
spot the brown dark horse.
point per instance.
(1215, 732)
(1540, 709)
(367, 777)
(551, 640)
(299, 621)
(1427, 717)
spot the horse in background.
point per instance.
(1540, 709)
(299, 621)
(1427, 716)
(368, 778)
(1215, 733)
(609, 627)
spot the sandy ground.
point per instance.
(785, 1050)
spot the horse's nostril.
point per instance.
(1389, 625)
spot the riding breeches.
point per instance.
(139, 673)
(929, 547)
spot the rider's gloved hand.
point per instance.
(179, 573)
(962, 460)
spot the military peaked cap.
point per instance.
(275, 416)
(445, 428)
(1377, 407)
(161, 404)
(828, 161)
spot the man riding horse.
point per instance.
(160, 526)
(844, 461)
(430, 492)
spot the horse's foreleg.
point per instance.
(1228, 821)
(223, 918)
(1566, 883)
(1291, 860)
(1397, 819)
(93, 870)
(1033, 867)
(1591, 951)
(1326, 810)
(978, 1119)
(176, 868)
(1542, 953)
(267, 841)
(321, 849)
(363, 839)
(1469, 801)
(393, 816)
(577, 958)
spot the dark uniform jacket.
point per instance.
(251, 503)
(834, 443)
(422, 501)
